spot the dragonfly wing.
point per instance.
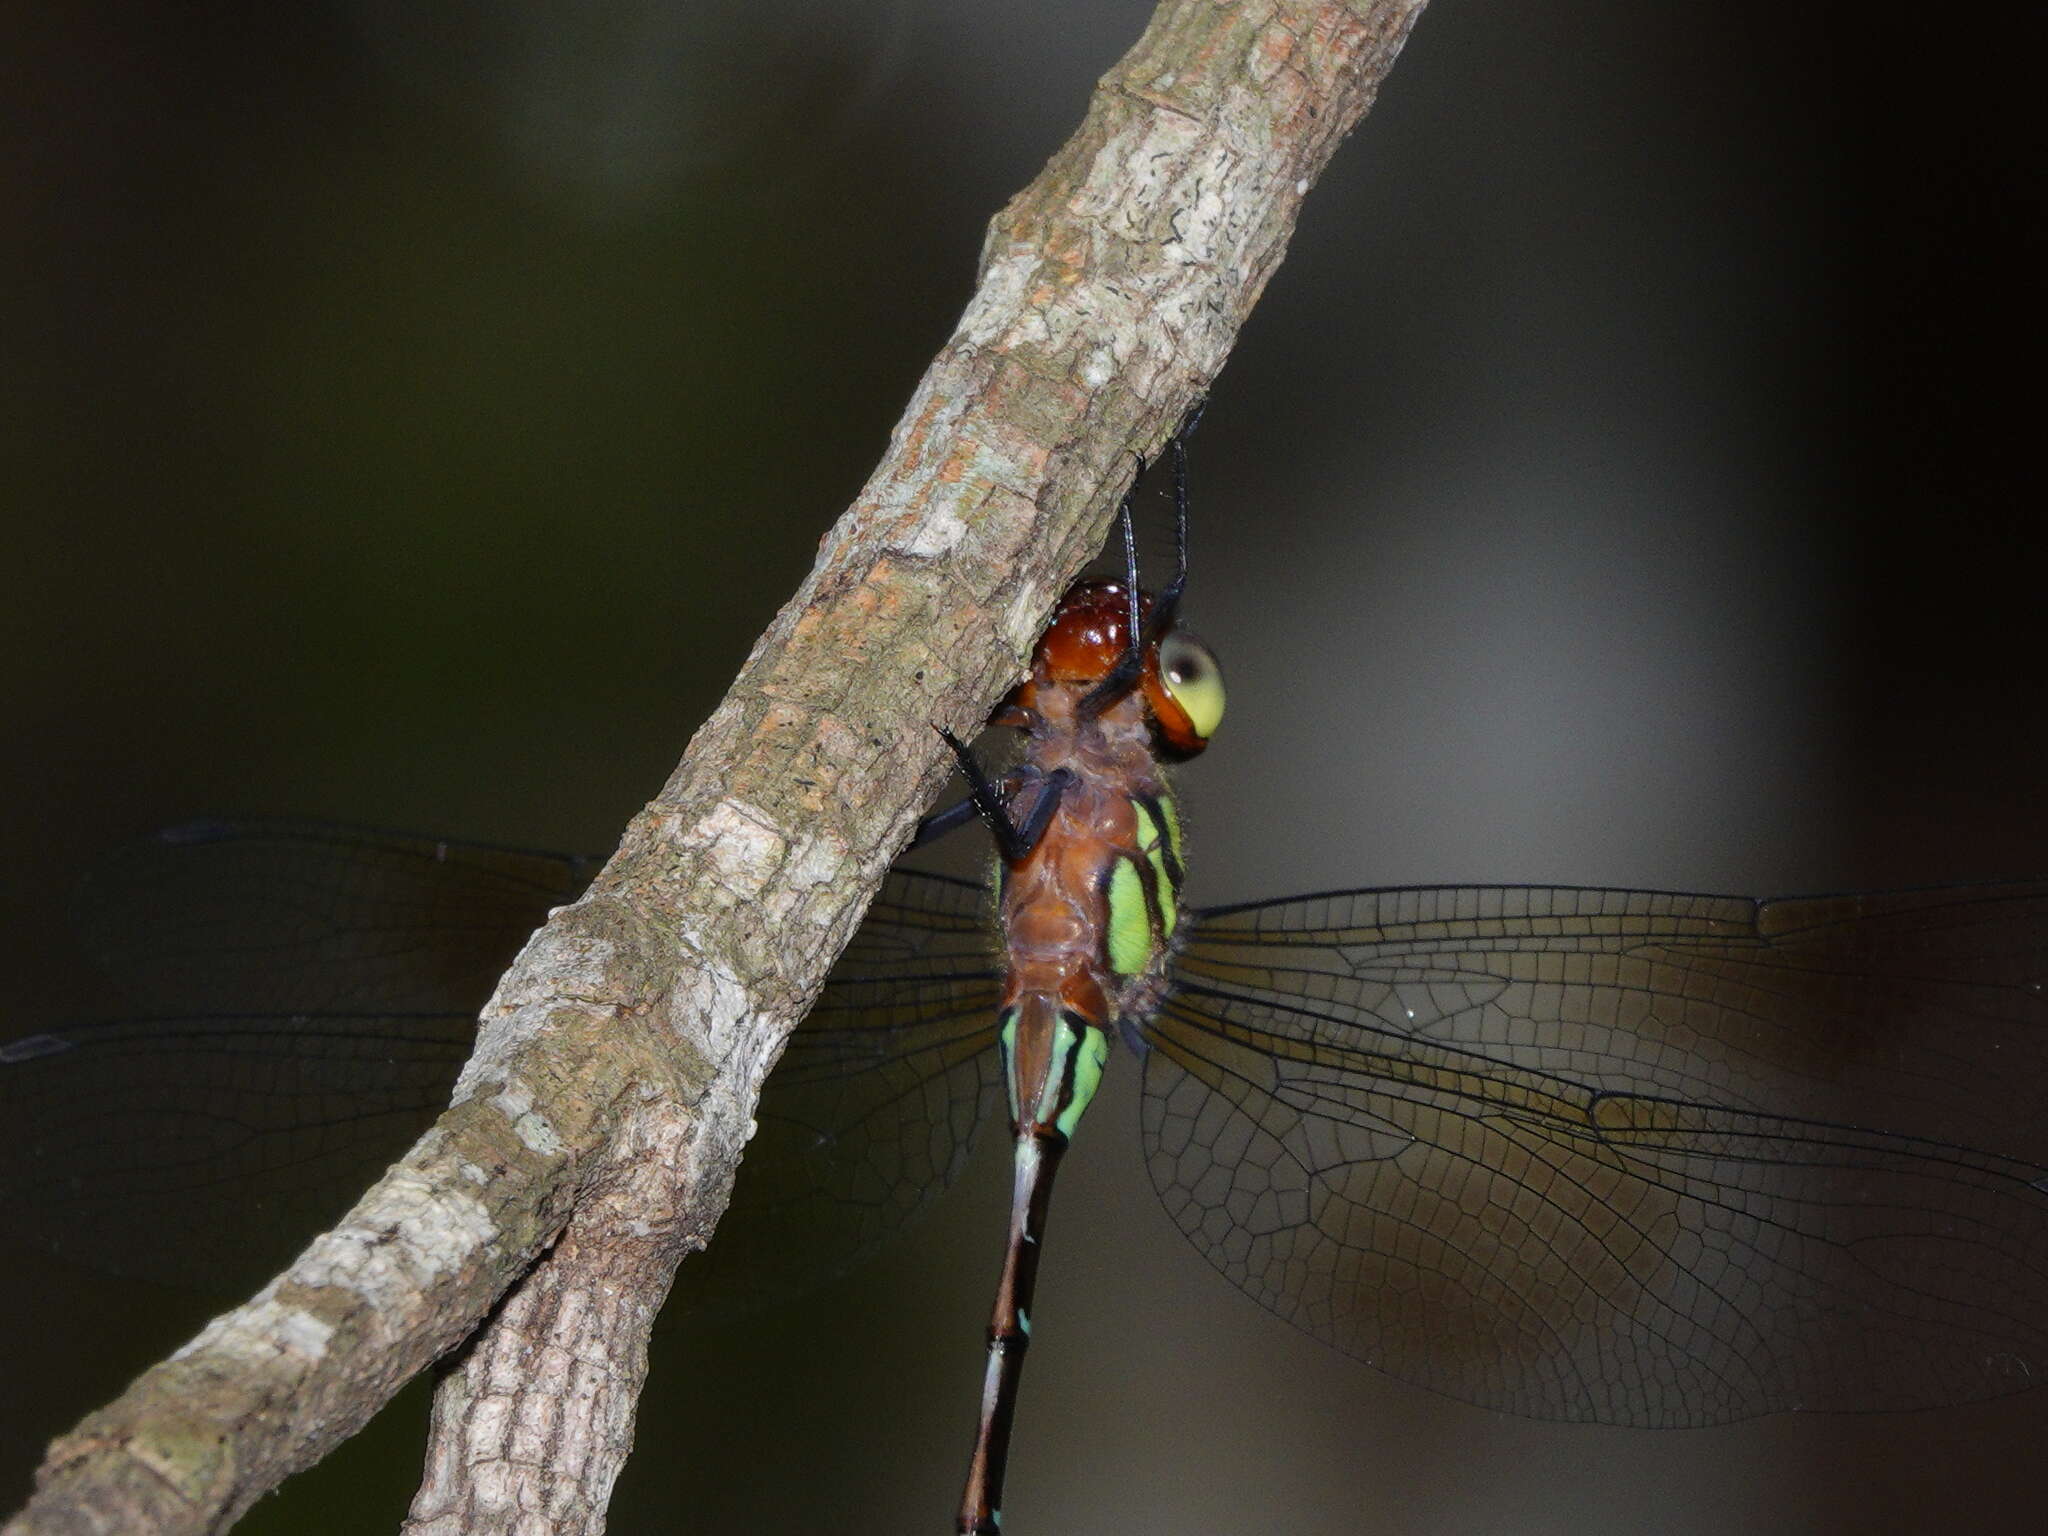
(276, 917)
(205, 1151)
(1619, 1156)
(871, 1112)
(205, 1147)
(313, 991)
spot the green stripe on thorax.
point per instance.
(1144, 899)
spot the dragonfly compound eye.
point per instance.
(1193, 680)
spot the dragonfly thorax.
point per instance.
(1089, 912)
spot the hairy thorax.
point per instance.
(1056, 901)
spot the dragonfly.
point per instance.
(1626, 1157)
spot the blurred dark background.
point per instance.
(414, 412)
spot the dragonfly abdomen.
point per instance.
(1088, 915)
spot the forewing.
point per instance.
(1630, 1157)
(314, 990)
(206, 1146)
(872, 1110)
(205, 1151)
(283, 917)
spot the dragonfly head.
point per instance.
(1180, 683)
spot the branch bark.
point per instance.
(595, 1132)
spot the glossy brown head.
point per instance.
(1180, 682)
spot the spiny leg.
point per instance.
(1121, 678)
(1014, 840)
(1164, 610)
(939, 823)
(1168, 605)
(1131, 665)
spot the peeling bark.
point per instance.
(595, 1131)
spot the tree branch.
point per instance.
(594, 1133)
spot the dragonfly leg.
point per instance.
(1014, 839)
(1045, 793)
(939, 823)
(1131, 665)
(1164, 610)
(1123, 677)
